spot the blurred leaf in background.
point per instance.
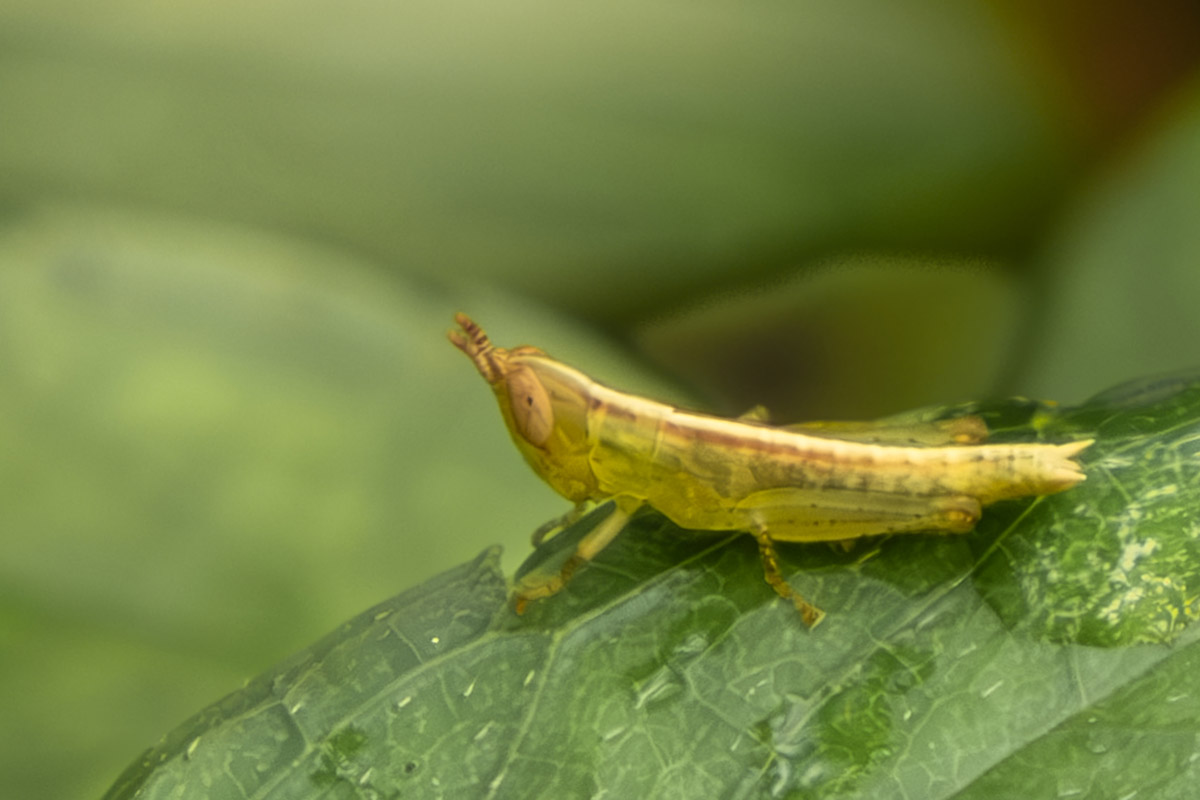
(233, 235)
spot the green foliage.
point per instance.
(1034, 657)
(230, 244)
(1119, 565)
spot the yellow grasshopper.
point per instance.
(808, 483)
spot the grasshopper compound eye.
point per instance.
(531, 409)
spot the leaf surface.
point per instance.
(1029, 658)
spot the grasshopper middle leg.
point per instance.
(809, 614)
(805, 515)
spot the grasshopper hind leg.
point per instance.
(840, 517)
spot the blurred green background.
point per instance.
(232, 238)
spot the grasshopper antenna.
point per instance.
(475, 343)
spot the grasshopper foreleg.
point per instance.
(558, 523)
(535, 586)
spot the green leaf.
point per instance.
(1115, 562)
(649, 140)
(1032, 658)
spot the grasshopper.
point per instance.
(832, 482)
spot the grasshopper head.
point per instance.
(544, 404)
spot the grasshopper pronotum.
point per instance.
(807, 483)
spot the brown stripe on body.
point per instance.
(775, 458)
(778, 457)
(731, 459)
